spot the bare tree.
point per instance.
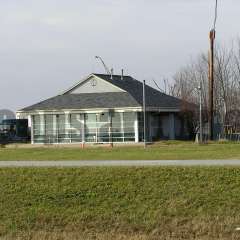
(226, 88)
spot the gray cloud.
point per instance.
(48, 45)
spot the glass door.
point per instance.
(102, 127)
(97, 127)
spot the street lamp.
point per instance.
(104, 65)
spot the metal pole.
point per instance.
(110, 129)
(200, 114)
(144, 114)
(211, 83)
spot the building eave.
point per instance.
(139, 109)
(32, 112)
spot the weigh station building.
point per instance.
(105, 109)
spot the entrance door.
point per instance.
(102, 133)
(97, 127)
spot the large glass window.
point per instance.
(129, 122)
(90, 127)
(103, 127)
(76, 128)
(50, 129)
(38, 129)
(62, 129)
(117, 127)
(98, 127)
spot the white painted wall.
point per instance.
(136, 128)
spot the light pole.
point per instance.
(200, 113)
(104, 65)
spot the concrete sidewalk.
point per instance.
(119, 163)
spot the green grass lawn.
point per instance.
(167, 150)
(120, 203)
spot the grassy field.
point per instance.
(120, 203)
(165, 150)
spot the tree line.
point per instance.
(186, 82)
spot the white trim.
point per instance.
(55, 126)
(87, 143)
(67, 124)
(82, 124)
(122, 126)
(99, 110)
(96, 110)
(136, 128)
(32, 124)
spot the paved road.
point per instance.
(112, 163)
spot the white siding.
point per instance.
(95, 85)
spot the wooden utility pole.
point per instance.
(211, 83)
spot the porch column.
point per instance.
(136, 128)
(67, 127)
(171, 126)
(82, 124)
(122, 126)
(31, 123)
(110, 127)
(55, 128)
(42, 127)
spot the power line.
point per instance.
(216, 15)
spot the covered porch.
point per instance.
(104, 127)
(84, 127)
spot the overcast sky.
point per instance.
(48, 45)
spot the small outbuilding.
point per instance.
(104, 109)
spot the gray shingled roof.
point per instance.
(154, 98)
(131, 98)
(86, 100)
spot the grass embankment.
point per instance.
(120, 203)
(167, 150)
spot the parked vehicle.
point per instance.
(14, 131)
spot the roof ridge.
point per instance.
(116, 75)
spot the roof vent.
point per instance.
(111, 73)
(122, 75)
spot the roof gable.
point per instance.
(93, 84)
